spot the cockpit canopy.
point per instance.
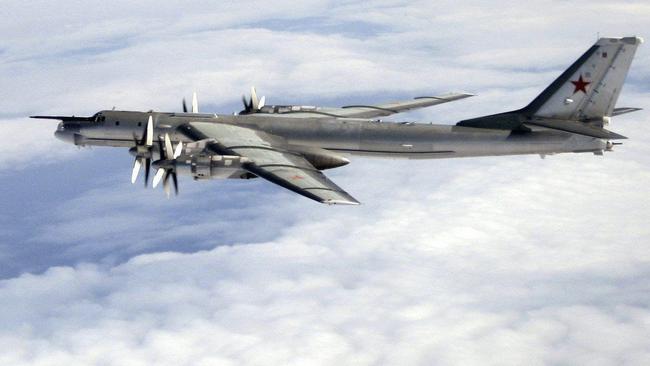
(99, 117)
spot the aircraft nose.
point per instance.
(66, 133)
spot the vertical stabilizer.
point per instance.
(590, 87)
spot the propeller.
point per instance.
(167, 165)
(253, 104)
(195, 104)
(143, 152)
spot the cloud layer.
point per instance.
(468, 274)
(503, 261)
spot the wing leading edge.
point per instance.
(361, 111)
(387, 109)
(270, 159)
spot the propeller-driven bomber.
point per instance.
(290, 145)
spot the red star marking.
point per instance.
(296, 177)
(580, 85)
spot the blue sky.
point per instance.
(472, 261)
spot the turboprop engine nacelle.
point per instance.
(203, 166)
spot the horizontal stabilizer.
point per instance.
(624, 110)
(577, 127)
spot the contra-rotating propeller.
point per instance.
(195, 104)
(253, 104)
(167, 165)
(143, 153)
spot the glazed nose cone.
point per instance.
(66, 133)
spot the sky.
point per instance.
(485, 261)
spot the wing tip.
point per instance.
(66, 118)
(624, 110)
(45, 117)
(615, 136)
(341, 202)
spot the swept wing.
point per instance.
(269, 158)
(363, 111)
(382, 110)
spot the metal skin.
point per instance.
(347, 136)
(568, 117)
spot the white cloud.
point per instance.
(487, 261)
(479, 261)
(479, 280)
(28, 142)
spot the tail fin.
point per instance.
(589, 88)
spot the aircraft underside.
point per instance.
(426, 142)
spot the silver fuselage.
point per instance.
(345, 136)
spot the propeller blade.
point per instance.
(136, 169)
(148, 133)
(179, 150)
(147, 169)
(262, 102)
(166, 187)
(161, 149)
(156, 178)
(195, 103)
(175, 182)
(254, 101)
(184, 106)
(169, 152)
